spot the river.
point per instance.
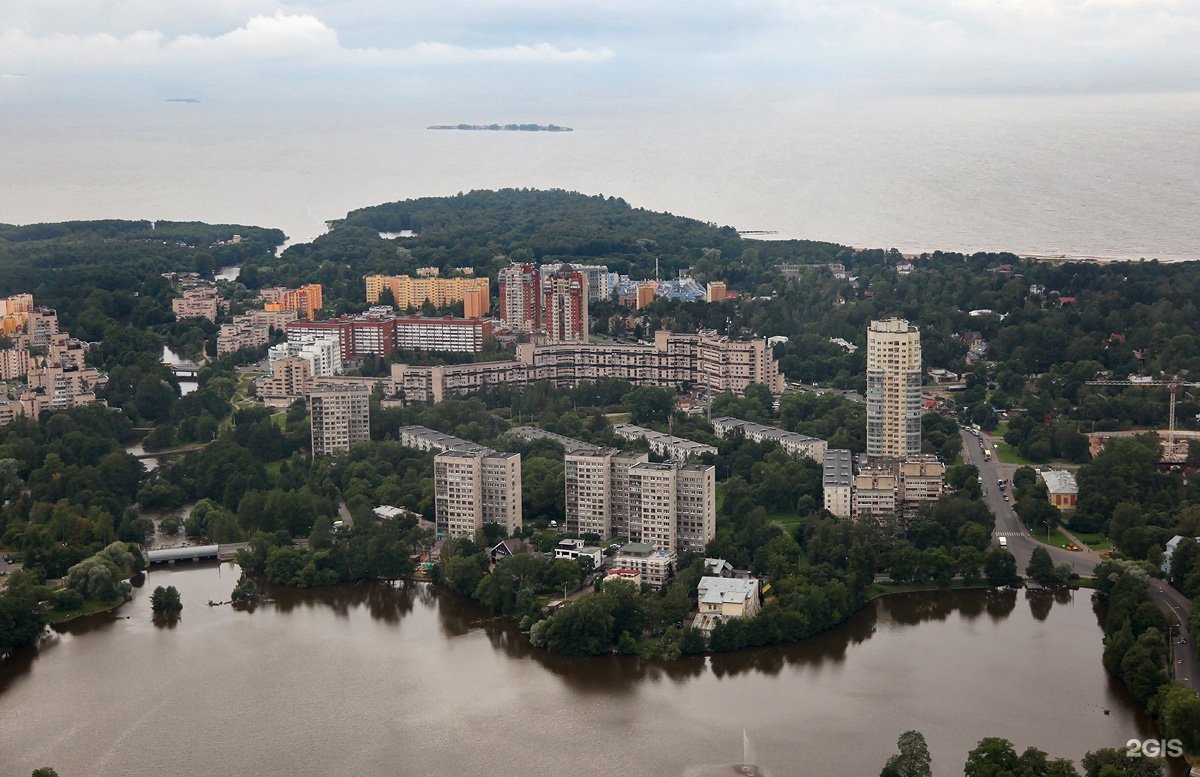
(370, 680)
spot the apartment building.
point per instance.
(14, 311)
(564, 305)
(251, 329)
(672, 506)
(893, 389)
(461, 335)
(793, 442)
(597, 496)
(569, 444)
(290, 379)
(321, 351)
(716, 292)
(340, 416)
(476, 486)
(305, 301)
(425, 439)
(672, 361)
(875, 492)
(837, 481)
(655, 565)
(41, 324)
(197, 302)
(408, 292)
(520, 297)
(14, 363)
(922, 480)
(665, 445)
(596, 275)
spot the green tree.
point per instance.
(1041, 567)
(166, 600)
(913, 759)
(1000, 567)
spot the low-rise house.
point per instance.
(1062, 491)
(1169, 552)
(624, 573)
(722, 598)
(718, 567)
(655, 566)
(576, 549)
(508, 548)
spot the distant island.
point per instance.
(182, 100)
(503, 127)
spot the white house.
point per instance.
(722, 598)
(1169, 552)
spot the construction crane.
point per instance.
(1173, 385)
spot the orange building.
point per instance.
(475, 303)
(306, 300)
(645, 293)
(409, 292)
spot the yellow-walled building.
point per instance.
(474, 293)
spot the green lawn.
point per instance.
(88, 608)
(1094, 540)
(788, 521)
(279, 419)
(1008, 454)
(1057, 539)
(272, 468)
(1001, 429)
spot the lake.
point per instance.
(370, 680)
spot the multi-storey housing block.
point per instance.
(893, 389)
(340, 417)
(793, 442)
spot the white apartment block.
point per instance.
(793, 442)
(837, 481)
(340, 417)
(665, 445)
(893, 389)
(322, 352)
(440, 334)
(425, 439)
(476, 486)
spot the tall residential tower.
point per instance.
(893, 389)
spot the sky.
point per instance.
(257, 51)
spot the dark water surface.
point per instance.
(370, 680)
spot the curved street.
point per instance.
(1185, 663)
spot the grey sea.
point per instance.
(1105, 176)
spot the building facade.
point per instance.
(672, 506)
(306, 301)
(1061, 489)
(472, 487)
(793, 442)
(565, 305)
(893, 389)
(408, 292)
(196, 302)
(340, 416)
(672, 361)
(837, 481)
(521, 297)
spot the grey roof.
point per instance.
(837, 467)
(1059, 481)
(767, 432)
(713, 590)
(569, 444)
(181, 554)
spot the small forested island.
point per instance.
(503, 127)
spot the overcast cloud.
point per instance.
(790, 46)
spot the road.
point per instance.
(1184, 658)
(1020, 543)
